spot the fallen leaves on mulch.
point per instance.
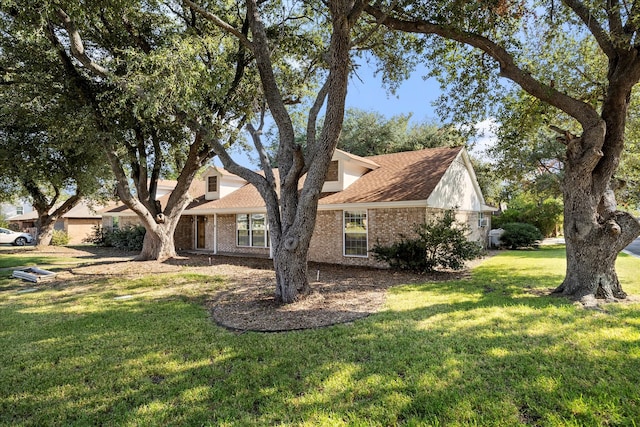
(342, 294)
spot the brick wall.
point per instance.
(477, 233)
(227, 238)
(183, 236)
(384, 226)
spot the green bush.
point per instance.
(439, 244)
(128, 238)
(520, 235)
(59, 238)
(96, 237)
(546, 216)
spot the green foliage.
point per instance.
(128, 238)
(546, 216)
(441, 243)
(59, 238)
(367, 133)
(520, 235)
(97, 236)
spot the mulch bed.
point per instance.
(342, 294)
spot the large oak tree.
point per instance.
(325, 32)
(145, 76)
(46, 149)
(511, 39)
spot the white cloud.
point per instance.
(485, 138)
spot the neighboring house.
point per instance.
(364, 201)
(78, 223)
(10, 210)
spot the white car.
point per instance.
(15, 238)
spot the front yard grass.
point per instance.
(487, 350)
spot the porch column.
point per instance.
(215, 233)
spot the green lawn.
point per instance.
(482, 351)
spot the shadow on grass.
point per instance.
(442, 353)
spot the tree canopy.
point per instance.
(368, 133)
(552, 51)
(48, 150)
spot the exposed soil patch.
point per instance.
(339, 294)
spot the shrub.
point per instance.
(439, 244)
(3, 220)
(520, 235)
(96, 237)
(128, 238)
(59, 238)
(546, 216)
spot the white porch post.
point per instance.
(215, 233)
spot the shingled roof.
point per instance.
(406, 176)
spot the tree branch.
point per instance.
(313, 114)
(593, 25)
(272, 93)
(581, 111)
(220, 23)
(77, 47)
(615, 20)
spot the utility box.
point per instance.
(494, 237)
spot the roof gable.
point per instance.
(406, 176)
(410, 176)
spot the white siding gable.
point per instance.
(350, 168)
(225, 183)
(458, 187)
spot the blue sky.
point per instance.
(415, 95)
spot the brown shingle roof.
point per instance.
(407, 176)
(83, 209)
(411, 175)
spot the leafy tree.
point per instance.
(520, 41)
(47, 152)
(368, 133)
(160, 93)
(545, 216)
(321, 37)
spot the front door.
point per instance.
(200, 232)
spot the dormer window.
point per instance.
(212, 184)
(344, 170)
(220, 183)
(332, 172)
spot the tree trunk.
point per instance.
(158, 243)
(291, 275)
(591, 260)
(45, 234)
(595, 232)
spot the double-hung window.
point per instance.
(355, 233)
(252, 230)
(212, 184)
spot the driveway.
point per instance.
(634, 248)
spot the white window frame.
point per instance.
(209, 190)
(482, 220)
(344, 232)
(267, 244)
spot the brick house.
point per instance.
(78, 223)
(364, 200)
